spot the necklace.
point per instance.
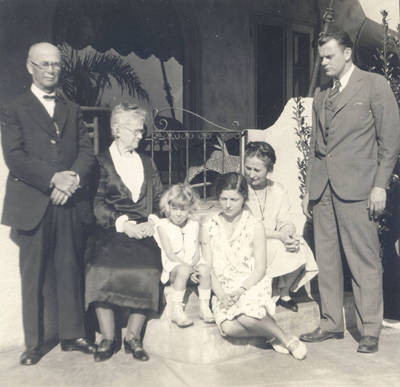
(261, 207)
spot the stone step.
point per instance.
(203, 344)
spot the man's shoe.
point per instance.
(368, 344)
(290, 304)
(30, 356)
(80, 344)
(135, 347)
(319, 335)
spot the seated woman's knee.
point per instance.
(183, 270)
(229, 328)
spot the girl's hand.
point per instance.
(195, 276)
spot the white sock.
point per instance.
(204, 294)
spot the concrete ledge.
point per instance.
(203, 344)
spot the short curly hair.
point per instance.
(126, 112)
(180, 195)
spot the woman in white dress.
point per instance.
(290, 260)
(234, 242)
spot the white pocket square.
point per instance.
(358, 104)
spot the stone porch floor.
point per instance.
(331, 363)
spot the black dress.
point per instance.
(124, 271)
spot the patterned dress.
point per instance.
(233, 261)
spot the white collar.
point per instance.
(344, 80)
(40, 93)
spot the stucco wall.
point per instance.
(226, 49)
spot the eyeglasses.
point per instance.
(134, 132)
(45, 66)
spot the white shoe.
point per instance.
(297, 348)
(179, 316)
(278, 346)
(205, 313)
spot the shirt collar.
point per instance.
(344, 80)
(40, 93)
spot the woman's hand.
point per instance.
(291, 242)
(133, 230)
(228, 300)
(147, 228)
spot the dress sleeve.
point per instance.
(105, 214)
(283, 211)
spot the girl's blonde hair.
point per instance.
(180, 195)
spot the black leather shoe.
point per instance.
(291, 304)
(30, 356)
(368, 344)
(135, 347)
(80, 344)
(319, 335)
(105, 350)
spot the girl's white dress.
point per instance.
(184, 242)
(233, 261)
(275, 213)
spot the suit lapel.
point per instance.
(352, 88)
(321, 106)
(39, 114)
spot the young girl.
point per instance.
(234, 243)
(178, 238)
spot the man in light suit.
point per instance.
(49, 155)
(354, 147)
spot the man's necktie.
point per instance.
(334, 91)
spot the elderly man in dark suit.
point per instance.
(49, 155)
(354, 147)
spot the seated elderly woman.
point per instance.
(288, 255)
(126, 262)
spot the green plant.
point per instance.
(86, 75)
(303, 131)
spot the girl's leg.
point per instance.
(179, 277)
(205, 293)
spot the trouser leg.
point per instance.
(69, 273)
(330, 276)
(360, 242)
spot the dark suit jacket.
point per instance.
(363, 142)
(34, 153)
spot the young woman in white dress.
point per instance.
(234, 242)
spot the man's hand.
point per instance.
(376, 202)
(65, 181)
(305, 205)
(58, 198)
